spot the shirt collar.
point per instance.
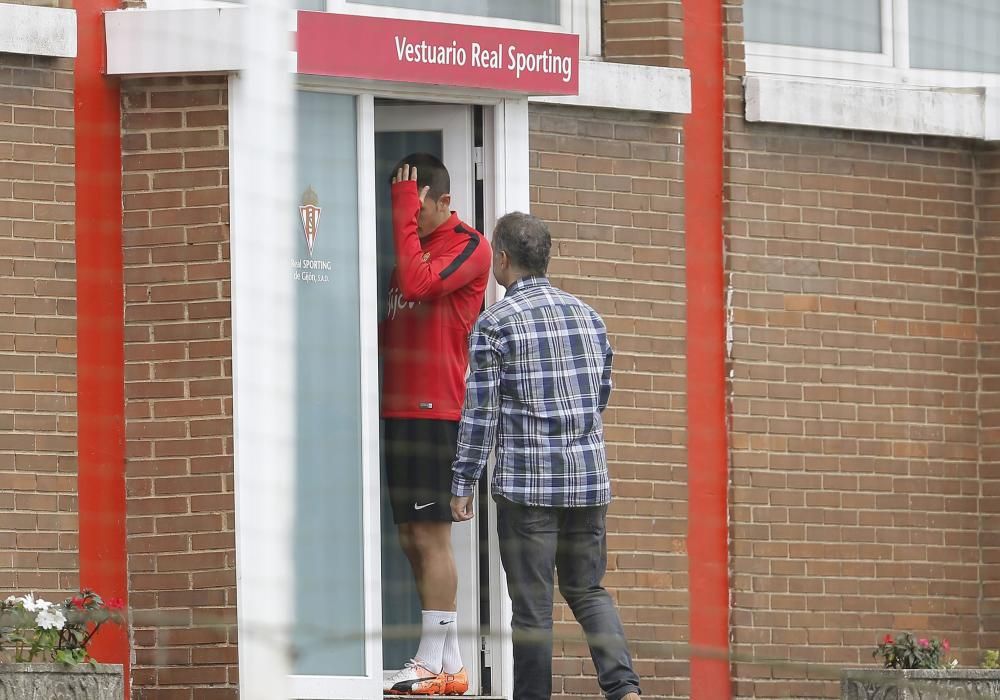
(448, 226)
(526, 282)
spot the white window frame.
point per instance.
(582, 17)
(890, 66)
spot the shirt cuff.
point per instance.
(461, 486)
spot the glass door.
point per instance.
(336, 591)
(447, 132)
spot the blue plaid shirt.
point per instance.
(540, 376)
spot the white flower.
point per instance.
(32, 605)
(11, 600)
(954, 663)
(51, 619)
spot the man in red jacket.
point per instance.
(435, 294)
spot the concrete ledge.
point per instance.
(190, 40)
(961, 112)
(37, 31)
(31, 680)
(991, 113)
(916, 684)
(628, 86)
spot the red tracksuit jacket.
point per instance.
(435, 295)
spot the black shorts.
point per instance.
(418, 454)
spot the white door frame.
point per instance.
(506, 154)
(263, 369)
(506, 166)
(455, 123)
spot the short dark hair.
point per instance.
(430, 173)
(526, 241)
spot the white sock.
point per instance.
(451, 659)
(436, 624)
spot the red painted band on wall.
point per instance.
(708, 477)
(100, 328)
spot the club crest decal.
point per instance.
(310, 212)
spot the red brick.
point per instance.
(37, 329)
(179, 428)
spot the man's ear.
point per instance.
(444, 202)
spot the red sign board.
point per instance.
(435, 53)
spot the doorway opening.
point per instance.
(453, 133)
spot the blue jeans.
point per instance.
(534, 543)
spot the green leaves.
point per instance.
(904, 651)
(70, 656)
(33, 629)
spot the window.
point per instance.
(581, 17)
(545, 11)
(958, 35)
(329, 491)
(847, 25)
(946, 43)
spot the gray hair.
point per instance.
(526, 241)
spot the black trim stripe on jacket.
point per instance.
(466, 253)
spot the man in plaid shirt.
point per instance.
(540, 377)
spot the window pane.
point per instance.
(546, 11)
(848, 25)
(955, 35)
(329, 544)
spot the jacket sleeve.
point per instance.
(419, 279)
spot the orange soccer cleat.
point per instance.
(456, 683)
(414, 679)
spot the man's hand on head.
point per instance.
(407, 173)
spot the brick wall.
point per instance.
(633, 273)
(179, 389)
(609, 184)
(988, 277)
(854, 430)
(644, 31)
(38, 542)
(855, 456)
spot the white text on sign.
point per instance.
(485, 57)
